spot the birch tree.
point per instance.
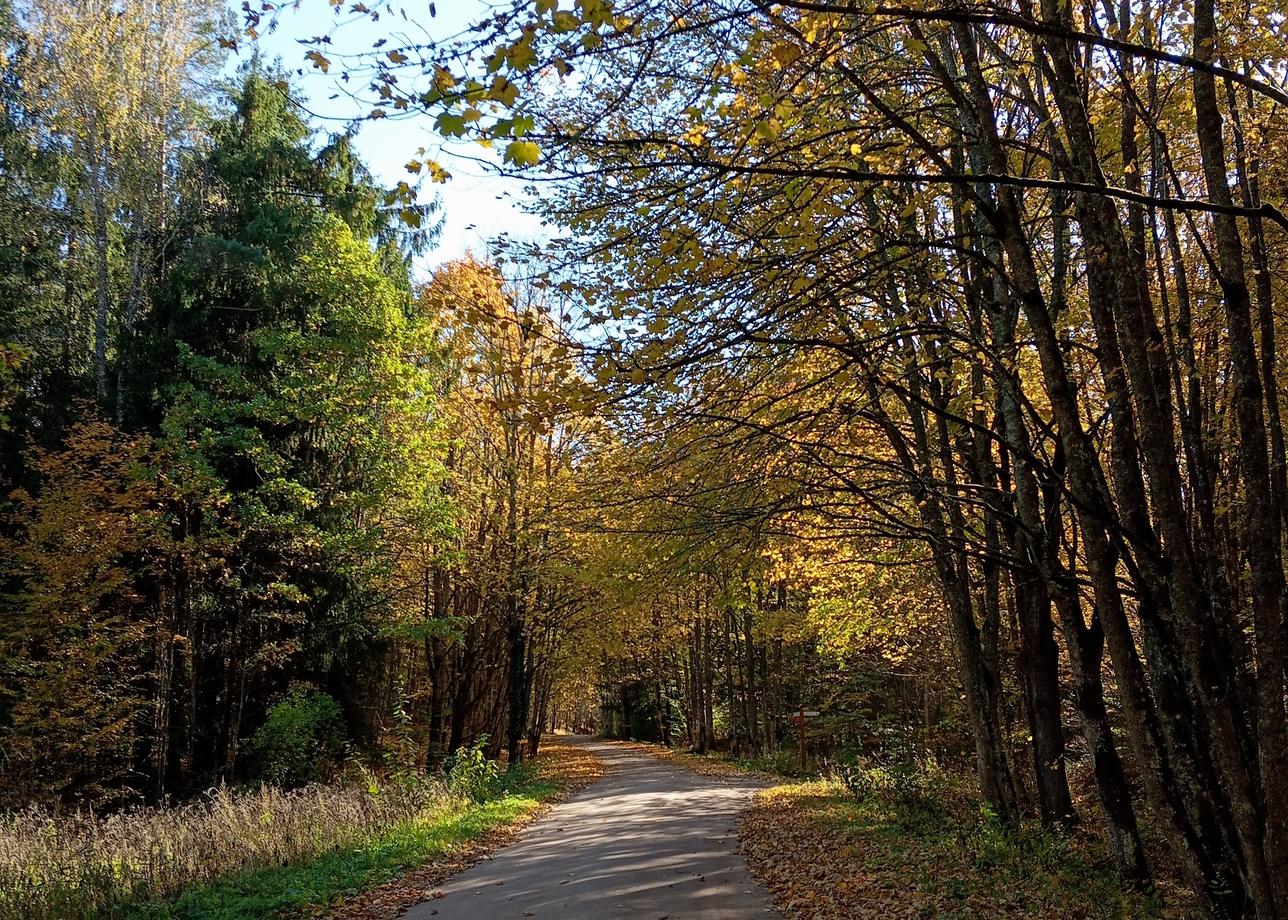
(119, 84)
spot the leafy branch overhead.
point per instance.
(892, 399)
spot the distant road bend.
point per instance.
(646, 842)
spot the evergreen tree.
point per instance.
(296, 398)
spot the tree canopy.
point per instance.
(911, 364)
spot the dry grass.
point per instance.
(71, 866)
(65, 867)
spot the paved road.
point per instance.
(646, 842)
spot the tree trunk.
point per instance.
(1264, 837)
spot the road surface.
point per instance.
(646, 842)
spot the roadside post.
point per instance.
(800, 731)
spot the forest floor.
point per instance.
(826, 854)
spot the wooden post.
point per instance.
(800, 732)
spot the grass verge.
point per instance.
(307, 887)
(344, 850)
(561, 770)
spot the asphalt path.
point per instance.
(646, 842)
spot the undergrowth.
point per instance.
(255, 853)
(879, 840)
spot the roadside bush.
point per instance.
(903, 776)
(991, 843)
(301, 741)
(784, 761)
(471, 773)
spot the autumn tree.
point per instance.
(116, 86)
(509, 585)
(995, 231)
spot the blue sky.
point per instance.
(477, 205)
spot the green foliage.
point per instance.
(991, 843)
(301, 740)
(908, 776)
(239, 525)
(785, 761)
(471, 773)
(11, 358)
(304, 380)
(399, 746)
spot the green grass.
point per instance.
(292, 890)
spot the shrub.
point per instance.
(991, 843)
(903, 776)
(301, 741)
(471, 773)
(784, 761)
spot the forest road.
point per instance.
(646, 842)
